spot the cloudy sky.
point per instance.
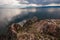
(9, 2)
(44, 1)
(16, 2)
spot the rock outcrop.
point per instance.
(35, 29)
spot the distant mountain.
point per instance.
(44, 7)
(29, 6)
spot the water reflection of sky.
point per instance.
(8, 14)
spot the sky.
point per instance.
(44, 1)
(41, 2)
(10, 2)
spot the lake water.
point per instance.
(16, 15)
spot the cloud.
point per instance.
(18, 2)
(23, 1)
(44, 2)
(14, 2)
(53, 4)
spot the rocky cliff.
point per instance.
(36, 29)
